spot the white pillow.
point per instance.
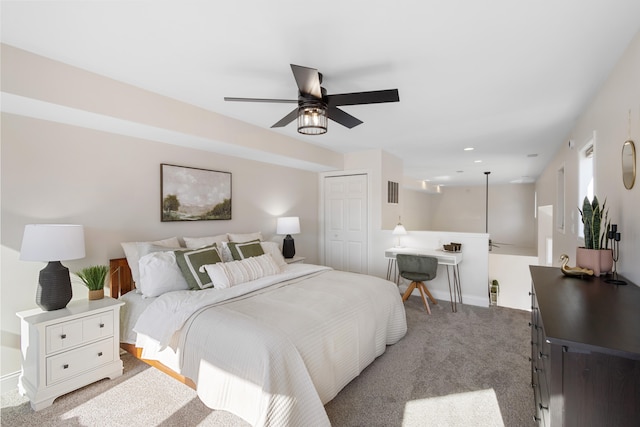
(159, 273)
(247, 237)
(227, 274)
(218, 275)
(225, 252)
(273, 249)
(133, 256)
(198, 242)
(145, 248)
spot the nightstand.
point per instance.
(66, 349)
(295, 260)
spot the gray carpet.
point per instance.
(468, 368)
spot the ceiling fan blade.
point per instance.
(283, 101)
(371, 97)
(308, 80)
(345, 119)
(286, 119)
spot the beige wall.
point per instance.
(462, 209)
(416, 209)
(368, 162)
(614, 115)
(40, 87)
(56, 169)
(111, 184)
(381, 167)
(392, 170)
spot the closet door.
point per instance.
(345, 222)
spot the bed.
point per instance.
(272, 350)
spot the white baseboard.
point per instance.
(9, 382)
(466, 299)
(473, 300)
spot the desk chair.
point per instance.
(418, 269)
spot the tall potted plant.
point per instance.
(595, 255)
(94, 277)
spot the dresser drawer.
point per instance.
(541, 415)
(75, 362)
(70, 334)
(543, 389)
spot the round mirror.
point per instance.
(628, 164)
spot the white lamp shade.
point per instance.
(288, 225)
(52, 242)
(399, 230)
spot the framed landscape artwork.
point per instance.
(192, 194)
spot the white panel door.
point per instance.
(345, 222)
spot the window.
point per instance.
(586, 175)
(560, 200)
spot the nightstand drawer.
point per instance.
(63, 335)
(96, 327)
(75, 362)
(69, 334)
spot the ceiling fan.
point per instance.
(315, 106)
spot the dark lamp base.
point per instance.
(288, 247)
(54, 287)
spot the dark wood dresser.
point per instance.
(585, 350)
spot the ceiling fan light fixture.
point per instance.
(312, 118)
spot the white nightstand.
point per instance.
(63, 350)
(295, 259)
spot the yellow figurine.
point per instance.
(573, 271)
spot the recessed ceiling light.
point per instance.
(477, 161)
(523, 180)
(468, 149)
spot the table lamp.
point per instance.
(53, 243)
(399, 230)
(288, 225)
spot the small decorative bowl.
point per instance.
(452, 247)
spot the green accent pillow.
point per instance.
(190, 262)
(240, 251)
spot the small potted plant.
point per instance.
(595, 255)
(94, 277)
(494, 290)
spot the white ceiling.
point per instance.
(507, 78)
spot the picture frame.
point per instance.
(194, 194)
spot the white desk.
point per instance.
(448, 259)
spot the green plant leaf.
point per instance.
(595, 224)
(93, 277)
(587, 216)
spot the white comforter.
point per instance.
(275, 353)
